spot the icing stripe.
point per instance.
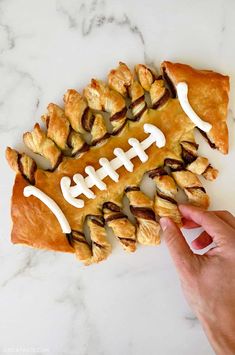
(182, 92)
(108, 168)
(51, 204)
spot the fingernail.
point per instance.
(164, 223)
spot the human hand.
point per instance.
(208, 280)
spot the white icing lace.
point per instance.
(108, 168)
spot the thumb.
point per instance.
(180, 251)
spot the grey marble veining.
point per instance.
(130, 304)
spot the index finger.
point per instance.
(213, 225)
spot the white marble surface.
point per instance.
(130, 304)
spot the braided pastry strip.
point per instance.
(60, 131)
(39, 143)
(122, 228)
(194, 163)
(165, 204)
(145, 76)
(21, 163)
(82, 249)
(76, 110)
(58, 127)
(141, 206)
(120, 79)
(81, 118)
(101, 248)
(138, 105)
(189, 182)
(100, 97)
(156, 87)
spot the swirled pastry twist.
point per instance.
(21, 163)
(189, 183)
(165, 204)
(194, 163)
(39, 143)
(101, 248)
(141, 206)
(122, 228)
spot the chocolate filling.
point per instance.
(119, 115)
(169, 83)
(111, 206)
(143, 212)
(187, 156)
(73, 237)
(194, 144)
(128, 240)
(167, 198)
(87, 120)
(207, 168)
(101, 139)
(47, 121)
(157, 172)
(139, 114)
(174, 164)
(132, 188)
(136, 102)
(85, 147)
(59, 160)
(119, 215)
(162, 100)
(20, 166)
(31, 178)
(32, 173)
(190, 189)
(98, 220)
(114, 133)
(98, 245)
(211, 144)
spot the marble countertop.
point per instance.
(130, 304)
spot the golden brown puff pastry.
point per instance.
(165, 204)
(73, 157)
(208, 94)
(21, 163)
(58, 127)
(120, 79)
(141, 206)
(39, 143)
